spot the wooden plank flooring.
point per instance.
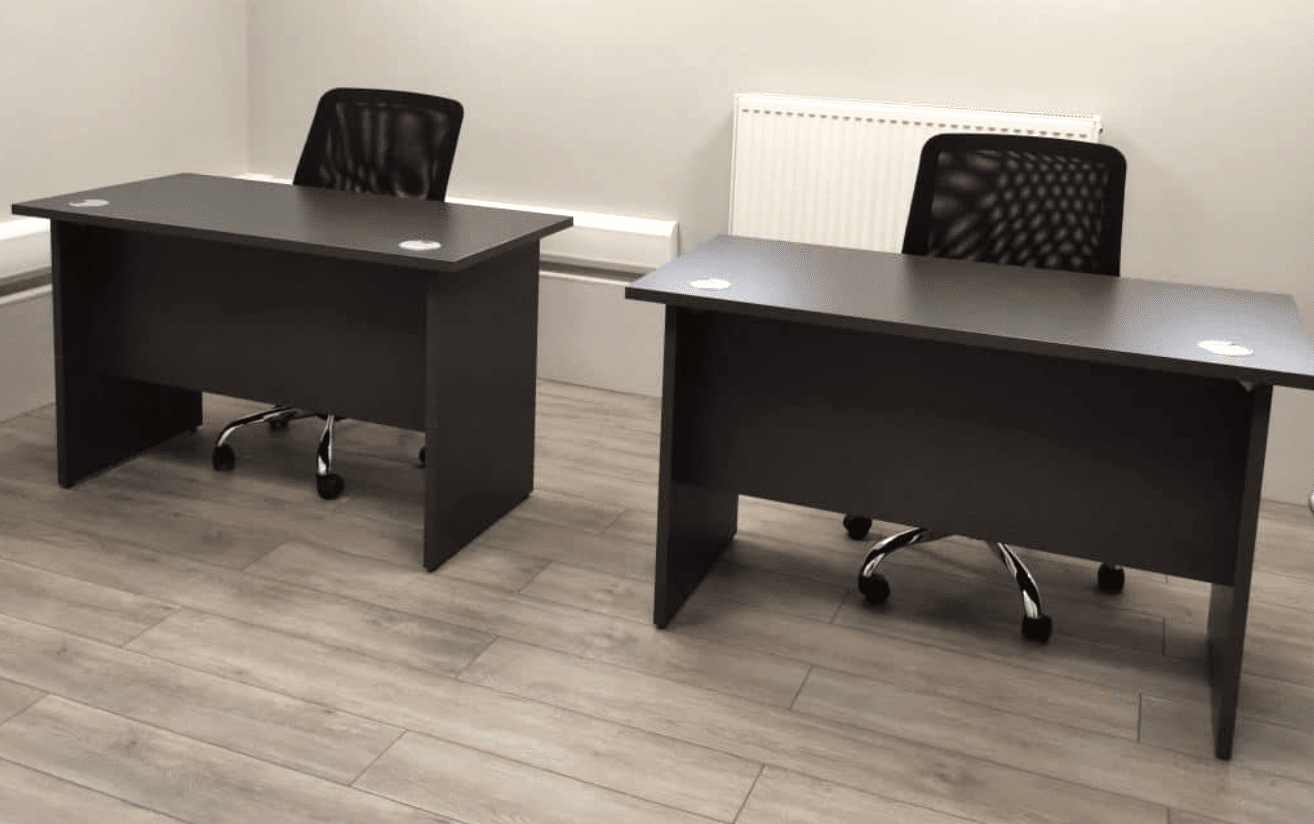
(180, 645)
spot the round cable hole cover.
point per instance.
(1225, 347)
(710, 283)
(419, 245)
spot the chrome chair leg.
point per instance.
(329, 485)
(1035, 624)
(259, 417)
(223, 457)
(873, 585)
(282, 421)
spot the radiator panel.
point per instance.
(841, 172)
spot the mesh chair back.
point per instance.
(1022, 200)
(381, 142)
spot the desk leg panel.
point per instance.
(101, 419)
(1229, 605)
(481, 345)
(694, 523)
(694, 526)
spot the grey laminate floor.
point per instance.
(181, 645)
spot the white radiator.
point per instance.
(841, 172)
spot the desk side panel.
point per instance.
(694, 523)
(481, 359)
(1097, 461)
(1229, 604)
(102, 417)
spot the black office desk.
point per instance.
(1070, 413)
(302, 296)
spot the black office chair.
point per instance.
(1021, 200)
(364, 140)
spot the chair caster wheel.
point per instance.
(858, 526)
(1037, 629)
(224, 459)
(875, 589)
(278, 424)
(1111, 578)
(330, 486)
(422, 464)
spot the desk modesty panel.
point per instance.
(1070, 413)
(174, 286)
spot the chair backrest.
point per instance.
(1023, 200)
(381, 142)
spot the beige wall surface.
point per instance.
(103, 91)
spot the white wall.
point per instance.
(624, 107)
(97, 92)
(103, 91)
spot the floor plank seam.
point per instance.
(444, 817)
(310, 638)
(128, 642)
(165, 731)
(761, 768)
(207, 674)
(41, 695)
(549, 771)
(1005, 765)
(98, 792)
(807, 676)
(372, 605)
(607, 720)
(401, 733)
(613, 521)
(945, 647)
(863, 735)
(457, 676)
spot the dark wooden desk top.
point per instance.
(303, 219)
(1120, 320)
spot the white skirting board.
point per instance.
(24, 246)
(27, 367)
(590, 335)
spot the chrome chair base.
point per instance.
(327, 483)
(876, 588)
